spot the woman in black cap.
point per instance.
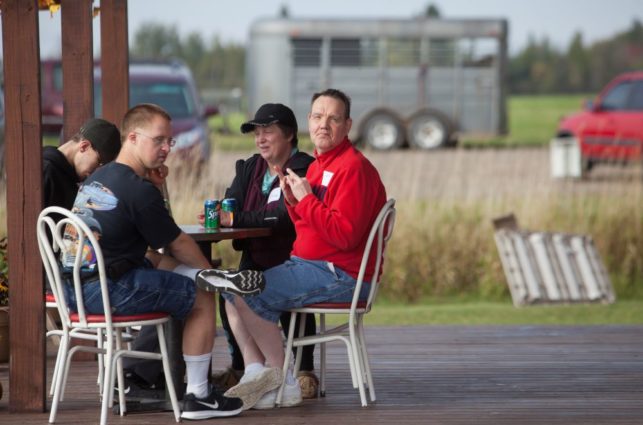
(261, 204)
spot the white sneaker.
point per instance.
(291, 397)
(252, 387)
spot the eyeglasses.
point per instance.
(159, 140)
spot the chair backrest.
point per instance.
(72, 239)
(380, 233)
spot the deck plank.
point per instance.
(442, 375)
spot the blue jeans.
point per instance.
(299, 282)
(141, 290)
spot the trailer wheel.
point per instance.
(383, 131)
(428, 130)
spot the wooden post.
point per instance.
(23, 161)
(78, 64)
(78, 80)
(114, 59)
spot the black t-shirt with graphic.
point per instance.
(127, 215)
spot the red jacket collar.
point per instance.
(327, 157)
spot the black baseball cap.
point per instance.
(104, 137)
(271, 113)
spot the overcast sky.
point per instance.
(557, 20)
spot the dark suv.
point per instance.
(169, 84)
(610, 129)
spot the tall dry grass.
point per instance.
(443, 242)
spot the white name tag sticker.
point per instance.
(275, 194)
(326, 178)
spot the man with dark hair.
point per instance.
(333, 209)
(63, 168)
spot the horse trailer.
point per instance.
(421, 82)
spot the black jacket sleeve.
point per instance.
(277, 217)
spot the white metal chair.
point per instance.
(56, 334)
(352, 331)
(106, 329)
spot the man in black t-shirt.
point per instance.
(129, 215)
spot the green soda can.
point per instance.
(211, 210)
(229, 205)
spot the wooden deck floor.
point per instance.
(442, 375)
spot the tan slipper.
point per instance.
(309, 384)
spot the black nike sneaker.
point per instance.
(242, 283)
(214, 405)
(137, 388)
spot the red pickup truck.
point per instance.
(610, 129)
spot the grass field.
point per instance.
(443, 251)
(533, 119)
(475, 312)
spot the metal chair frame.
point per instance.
(105, 329)
(351, 332)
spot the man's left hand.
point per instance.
(157, 175)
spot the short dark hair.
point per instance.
(336, 94)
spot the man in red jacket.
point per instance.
(333, 209)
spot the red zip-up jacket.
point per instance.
(332, 223)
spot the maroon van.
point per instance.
(166, 83)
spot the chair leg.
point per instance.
(365, 360)
(300, 349)
(354, 347)
(60, 374)
(65, 371)
(100, 338)
(51, 326)
(169, 384)
(322, 357)
(287, 354)
(119, 371)
(108, 378)
(59, 357)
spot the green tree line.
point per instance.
(540, 68)
(537, 69)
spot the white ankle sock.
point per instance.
(186, 271)
(197, 368)
(253, 369)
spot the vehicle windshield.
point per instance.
(175, 98)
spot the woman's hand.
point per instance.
(285, 187)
